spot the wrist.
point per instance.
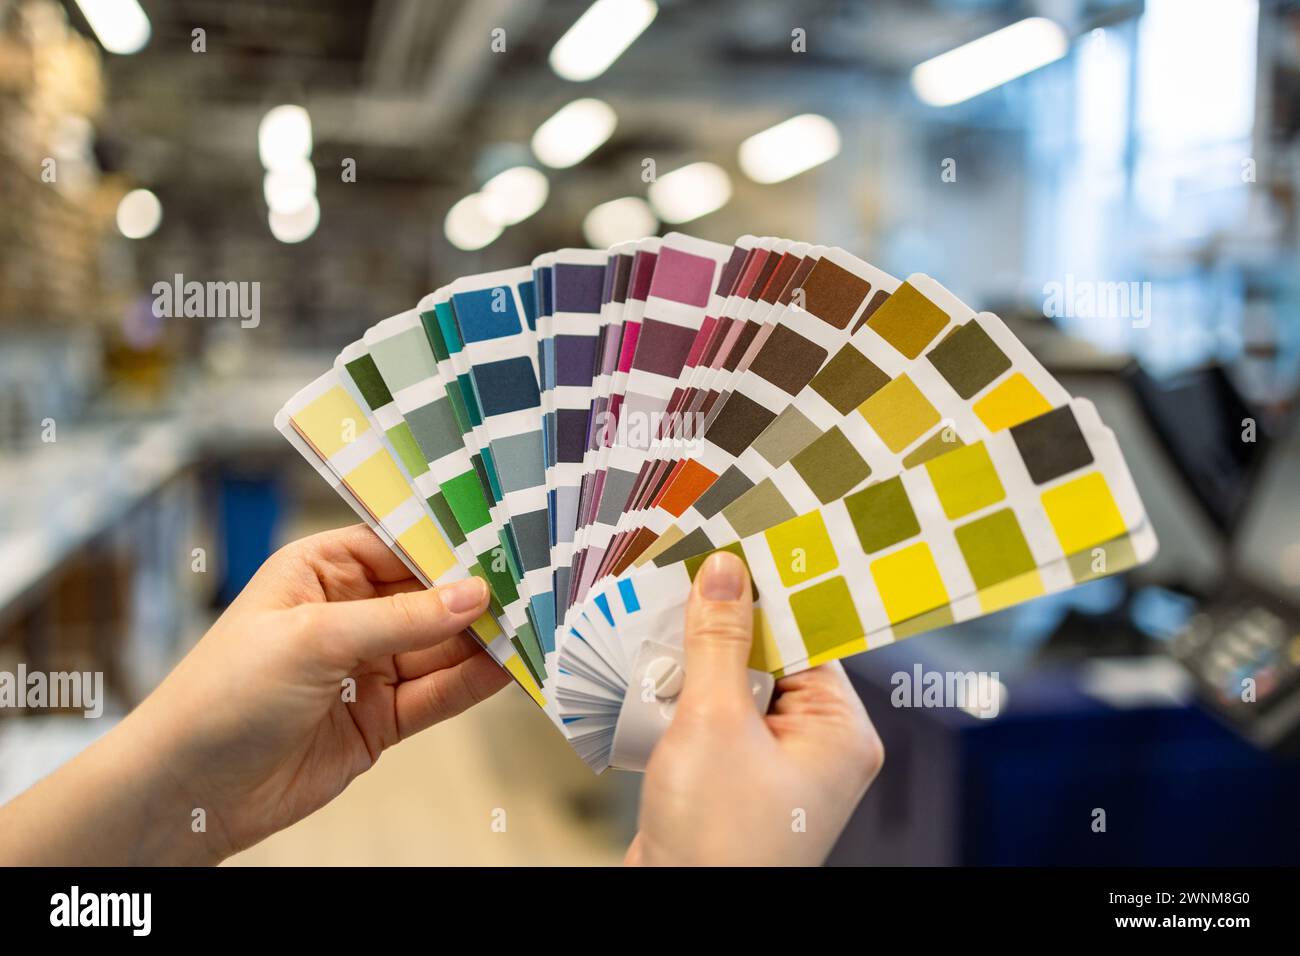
(177, 823)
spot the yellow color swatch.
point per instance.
(909, 583)
(1083, 513)
(515, 665)
(1010, 592)
(486, 628)
(378, 483)
(899, 413)
(332, 421)
(965, 480)
(801, 549)
(1012, 402)
(426, 547)
(764, 655)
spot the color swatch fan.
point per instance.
(582, 433)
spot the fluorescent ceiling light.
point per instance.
(121, 25)
(690, 192)
(789, 148)
(284, 136)
(990, 61)
(515, 194)
(599, 37)
(289, 188)
(470, 224)
(569, 137)
(138, 214)
(295, 226)
(618, 221)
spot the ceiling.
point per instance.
(413, 92)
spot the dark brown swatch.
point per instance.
(848, 380)
(833, 294)
(1052, 445)
(877, 300)
(968, 359)
(738, 423)
(788, 360)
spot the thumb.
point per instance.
(719, 631)
(406, 621)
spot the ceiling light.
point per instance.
(289, 188)
(295, 226)
(618, 221)
(569, 137)
(138, 214)
(121, 25)
(470, 224)
(690, 192)
(515, 194)
(988, 62)
(599, 37)
(284, 136)
(789, 148)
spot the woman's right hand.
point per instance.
(727, 786)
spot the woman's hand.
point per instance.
(726, 786)
(331, 654)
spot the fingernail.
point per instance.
(722, 578)
(463, 595)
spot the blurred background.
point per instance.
(1118, 179)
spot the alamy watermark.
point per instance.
(979, 693)
(58, 690)
(1090, 299)
(640, 429)
(208, 300)
(133, 911)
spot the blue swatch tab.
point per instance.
(602, 602)
(506, 386)
(486, 313)
(628, 593)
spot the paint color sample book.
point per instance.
(582, 432)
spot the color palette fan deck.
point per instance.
(583, 432)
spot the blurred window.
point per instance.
(1136, 157)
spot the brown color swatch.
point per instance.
(831, 467)
(796, 280)
(834, 294)
(758, 509)
(738, 423)
(968, 359)
(848, 380)
(788, 435)
(1052, 445)
(788, 360)
(877, 300)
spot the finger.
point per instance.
(386, 588)
(825, 680)
(820, 705)
(449, 653)
(359, 545)
(719, 631)
(423, 702)
(409, 620)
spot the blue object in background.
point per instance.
(1178, 787)
(249, 510)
